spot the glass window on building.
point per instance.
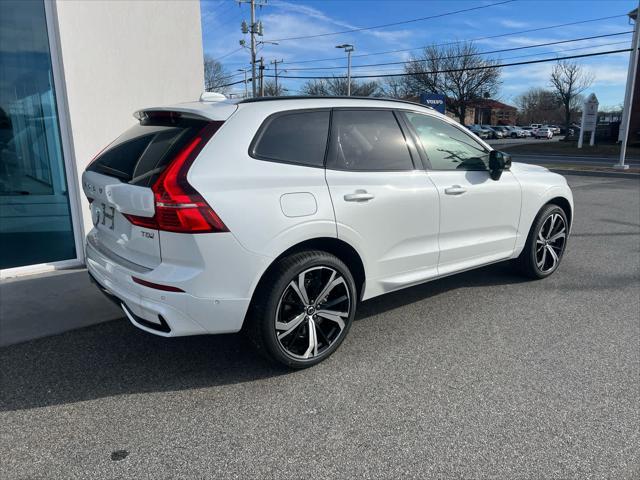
(35, 220)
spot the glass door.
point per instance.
(35, 217)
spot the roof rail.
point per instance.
(327, 97)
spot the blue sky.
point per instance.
(293, 18)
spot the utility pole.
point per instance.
(275, 66)
(348, 48)
(254, 28)
(262, 76)
(628, 98)
(245, 70)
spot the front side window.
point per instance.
(295, 137)
(448, 147)
(367, 140)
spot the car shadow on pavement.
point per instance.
(498, 274)
(115, 358)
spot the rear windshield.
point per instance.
(140, 154)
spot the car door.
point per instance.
(385, 206)
(478, 216)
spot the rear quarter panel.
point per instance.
(248, 193)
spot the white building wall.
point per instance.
(118, 57)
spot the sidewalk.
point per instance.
(41, 305)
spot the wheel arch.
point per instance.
(341, 249)
(565, 205)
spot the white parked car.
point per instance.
(544, 132)
(279, 216)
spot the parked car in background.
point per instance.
(528, 131)
(535, 125)
(504, 130)
(479, 131)
(544, 132)
(515, 132)
(493, 133)
(278, 216)
(554, 128)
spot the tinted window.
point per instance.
(295, 138)
(367, 140)
(448, 147)
(139, 155)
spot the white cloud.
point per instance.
(508, 23)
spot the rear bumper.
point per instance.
(159, 312)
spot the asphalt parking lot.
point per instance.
(478, 375)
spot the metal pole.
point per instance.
(349, 72)
(275, 66)
(246, 92)
(252, 29)
(628, 100)
(262, 76)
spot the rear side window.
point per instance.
(367, 140)
(140, 154)
(296, 137)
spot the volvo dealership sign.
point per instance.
(434, 100)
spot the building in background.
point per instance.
(71, 75)
(492, 112)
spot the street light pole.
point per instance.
(348, 48)
(628, 98)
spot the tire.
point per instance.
(546, 226)
(292, 332)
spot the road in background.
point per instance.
(478, 375)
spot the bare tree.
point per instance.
(456, 71)
(215, 76)
(538, 105)
(315, 88)
(271, 90)
(395, 87)
(569, 80)
(338, 86)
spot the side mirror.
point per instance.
(498, 161)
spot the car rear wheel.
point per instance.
(546, 243)
(303, 309)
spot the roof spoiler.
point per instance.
(212, 97)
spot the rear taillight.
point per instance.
(179, 207)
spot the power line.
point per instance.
(462, 41)
(233, 83)
(464, 69)
(227, 54)
(404, 22)
(467, 55)
(526, 56)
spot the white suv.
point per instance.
(278, 216)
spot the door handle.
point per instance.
(359, 196)
(455, 190)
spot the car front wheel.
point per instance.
(546, 243)
(303, 309)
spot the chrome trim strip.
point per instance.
(114, 257)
